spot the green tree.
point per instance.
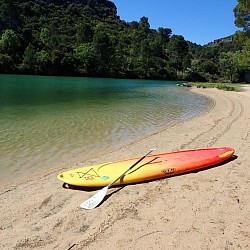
(242, 20)
(177, 51)
(9, 15)
(45, 37)
(103, 47)
(122, 59)
(242, 14)
(164, 34)
(243, 57)
(84, 32)
(29, 58)
(144, 24)
(9, 42)
(85, 55)
(42, 59)
(229, 66)
(6, 63)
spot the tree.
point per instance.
(177, 51)
(84, 32)
(29, 58)
(42, 59)
(164, 34)
(242, 14)
(229, 66)
(6, 63)
(144, 24)
(103, 47)
(243, 57)
(9, 15)
(242, 20)
(45, 37)
(9, 42)
(85, 56)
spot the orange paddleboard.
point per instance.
(152, 167)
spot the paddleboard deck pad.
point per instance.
(151, 167)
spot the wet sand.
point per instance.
(209, 209)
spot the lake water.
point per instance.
(50, 121)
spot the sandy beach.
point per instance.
(209, 209)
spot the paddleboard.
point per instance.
(151, 167)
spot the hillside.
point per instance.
(228, 39)
(87, 38)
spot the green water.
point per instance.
(50, 121)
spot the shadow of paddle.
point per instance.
(110, 194)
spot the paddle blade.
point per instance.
(95, 200)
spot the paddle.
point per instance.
(96, 199)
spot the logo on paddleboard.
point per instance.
(105, 177)
(168, 171)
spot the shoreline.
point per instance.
(29, 172)
(208, 209)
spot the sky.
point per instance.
(198, 21)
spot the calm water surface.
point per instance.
(49, 121)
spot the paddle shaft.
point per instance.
(119, 177)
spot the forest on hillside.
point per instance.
(88, 38)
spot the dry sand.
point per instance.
(205, 210)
